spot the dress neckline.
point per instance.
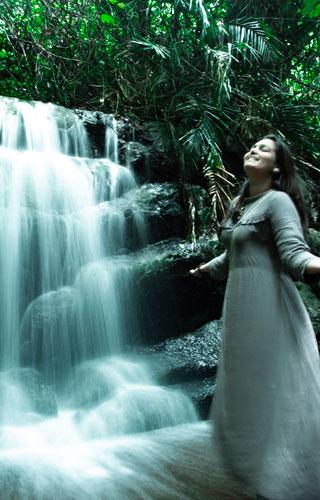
(256, 196)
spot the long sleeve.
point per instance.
(286, 226)
(219, 266)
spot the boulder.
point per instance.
(136, 408)
(313, 239)
(143, 215)
(95, 125)
(312, 303)
(48, 332)
(174, 302)
(24, 389)
(188, 363)
(149, 155)
(98, 380)
(88, 387)
(141, 146)
(161, 207)
(122, 225)
(201, 393)
(192, 356)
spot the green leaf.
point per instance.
(121, 5)
(252, 40)
(107, 19)
(160, 50)
(311, 8)
(316, 12)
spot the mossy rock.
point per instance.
(313, 240)
(312, 303)
(173, 301)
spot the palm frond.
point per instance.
(160, 50)
(199, 139)
(218, 184)
(252, 41)
(218, 64)
(198, 5)
(193, 141)
(209, 116)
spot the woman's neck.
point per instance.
(259, 187)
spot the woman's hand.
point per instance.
(201, 270)
(312, 271)
(312, 267)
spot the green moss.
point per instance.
(312, 303)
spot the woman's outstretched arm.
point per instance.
(217, 267)
(293, 250)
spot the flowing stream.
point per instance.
(79, 417)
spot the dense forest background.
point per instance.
(210, 76)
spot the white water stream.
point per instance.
(67, 309)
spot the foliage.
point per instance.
(311, 8)
(210, 75)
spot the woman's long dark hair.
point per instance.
(287, 180)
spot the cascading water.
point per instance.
(59, 302)
(75, 409)
(67, 309)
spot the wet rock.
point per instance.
(37, 396)
(137, 156)
(136, 408)
(94, 122)
(147, 214)
(88, 387)
(47, 334)
(174, 462)
(173, 301)
(161, 207)
(313, 239)
(189, 363)
(201, 393)
(140, 145)
(98, 380)
(149, 156)
(312, 303)
(148, 163)
(193, 356)
(122, 226)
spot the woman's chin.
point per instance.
(251, 171)
(251, 165)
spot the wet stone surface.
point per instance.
(189, 363)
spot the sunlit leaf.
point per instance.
(251, 40)
(160, 50)
(107, 19)
(311, 8)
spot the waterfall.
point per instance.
(69, 305)
(60, 295)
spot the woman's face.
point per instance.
(260, 160)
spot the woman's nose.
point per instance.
(251, 151)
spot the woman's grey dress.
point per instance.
(266, 408)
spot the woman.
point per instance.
(266, 408)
